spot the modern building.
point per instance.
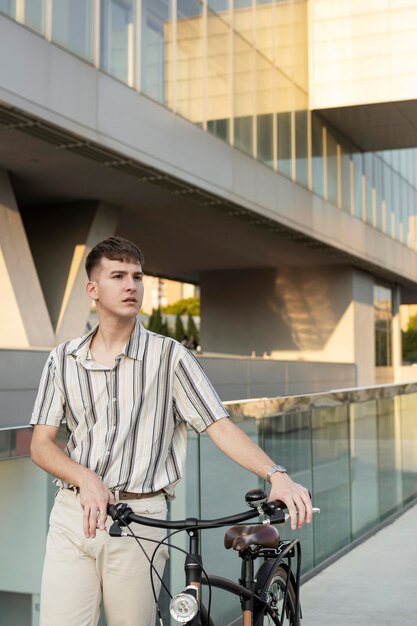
(264, 151)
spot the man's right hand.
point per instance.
(94, 498)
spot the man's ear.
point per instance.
(91, 289)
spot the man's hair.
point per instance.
(115, 249)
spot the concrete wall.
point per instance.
(319, 314)
(233, 378)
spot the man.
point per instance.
(127, 396)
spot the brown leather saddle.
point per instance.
(241, 537)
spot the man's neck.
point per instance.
(110, 338)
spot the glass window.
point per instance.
(156, 50)
(8, 7)
(395, 209)
(345, 180)
(301, 148)
(387, 197)
(383, 326)
(284, 143)
(34, 15)
(219, 128)
(190, 61)
(265, 137)
(219, 83)
(369, 176)
(218, 5)
(317, 154)
(242, 3)
(378, 191)
(243, 133)
(72, 26)
(117, 39)
(357, 159)
(332, 173)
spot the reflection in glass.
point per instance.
(265, 137)
(243, 94)
(156, 48)
(386, 194)
(317, 154)
(332, 167)
(301, 148)
(364, 466)
(383, 326)
(34, 15)
(8, 7)
(117, 40)
(408, 445)
(243, 133)
(72, 26)
(287, 437)
(219, 128)
(219, 82)
(389, 457)
(345, 179)
(357, 159)
(331, 478)
(190, 61)
(378, 191)
(218, 5)
(284, 143)
(368, 159)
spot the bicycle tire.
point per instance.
(272, 582)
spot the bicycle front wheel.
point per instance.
(279, 593)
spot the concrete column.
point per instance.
(304, 314)
(24, 318)
(76, 305)
(71, 231)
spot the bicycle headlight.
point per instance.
(183, 607)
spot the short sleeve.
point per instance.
(195, 400)
(49, 406)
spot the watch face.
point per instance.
(276, 468)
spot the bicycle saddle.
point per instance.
(241, 537)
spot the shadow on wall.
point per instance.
(313, 302)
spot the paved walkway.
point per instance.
(375, 584)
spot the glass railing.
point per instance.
(355, 450)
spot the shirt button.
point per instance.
(113, 373)
(113, 427)
(114, 399)
(107, 452)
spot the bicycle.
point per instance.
(271, 596)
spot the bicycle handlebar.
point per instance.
(121, 512)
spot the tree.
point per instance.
(192, 330)
(179, 328)
(409, 341)
(185, 306)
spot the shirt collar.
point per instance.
(133, 349)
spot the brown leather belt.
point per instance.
(127, 495)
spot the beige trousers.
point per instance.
(81, 573)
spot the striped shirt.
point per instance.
(128, 423)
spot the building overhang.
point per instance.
(375, 126)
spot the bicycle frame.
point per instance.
(246, 590)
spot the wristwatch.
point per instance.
(276, 468)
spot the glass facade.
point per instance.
(239, 70)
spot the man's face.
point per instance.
(117, 287)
